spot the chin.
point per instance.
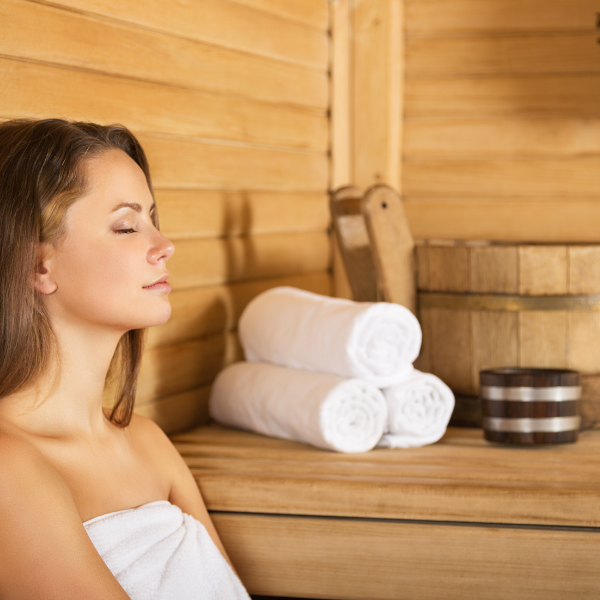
(152, 318)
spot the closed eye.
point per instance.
(125, 231)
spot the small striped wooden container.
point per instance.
(530, 406)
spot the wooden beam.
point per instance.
(377, 91)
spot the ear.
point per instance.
(44, 280)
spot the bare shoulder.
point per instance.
(183, 489)
(156, 446)
(22, 468)
(146, 434)
(44, 549)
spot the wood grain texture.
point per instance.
(502, 55)
(210, 310)
(353, 240)
(51, 35)
(494, 269)
(194, 214)
(424, 360)
(584, 269)
(340, 285)
(584, 342)
(422, 265)
(533, 136)
(448, 269)
(518, 218)
(190, 163)
(216, 261)
(169, 370)
(37, 91)
(354, 559)
(563, 178)
(451, 348)
(392, 245)
(227, 24)
(178, 412)
(341, 94)
(494, 342)
(543, 339)
(377, 92)
(460, 478)
(442, 17)
(543, 270)
(313, 13)
(575, 95)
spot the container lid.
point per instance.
(516, 377)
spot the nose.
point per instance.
(162, 248)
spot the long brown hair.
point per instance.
(41, 176)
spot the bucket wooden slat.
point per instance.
(487, 305)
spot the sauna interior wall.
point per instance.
(501, 136)
(229, 99)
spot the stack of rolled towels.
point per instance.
(331, 372)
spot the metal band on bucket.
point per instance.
(531, 394)
(507, 302)
(549, 425)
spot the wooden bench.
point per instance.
(458, 519)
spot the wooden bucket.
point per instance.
(530, 406)
(485, 305)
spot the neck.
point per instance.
(67, 400)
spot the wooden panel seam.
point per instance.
(204, 41)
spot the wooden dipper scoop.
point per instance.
(530, 406)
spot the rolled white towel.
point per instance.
(326, 411)
(373, 341)
(419, 410)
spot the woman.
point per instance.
(93, 503)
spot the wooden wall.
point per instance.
(229, 98)
(502, 119)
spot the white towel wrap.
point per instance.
(419, 411)
(157, 552)
(373, 341)
(326, 411)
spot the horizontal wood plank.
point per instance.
(528, 177)
(186, 214)
(191, 163)
(460, 478)
(514, 54)
(178, 412)
(205, 311)
(444, 17)
(181, 367)
(215, 261)
(51, 35)
(512, 219)
(575, 95)
(314, 13)
(356, 559)
(228, 24)
(501, 136)
(39, 91)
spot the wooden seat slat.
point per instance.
(460, 479)
(458, 519)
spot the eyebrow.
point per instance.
(134, 205)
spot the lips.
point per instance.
(161, 280)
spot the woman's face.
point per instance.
(112, 252)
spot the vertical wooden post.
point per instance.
(367, 82)
(340, 117)
(377, 90)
